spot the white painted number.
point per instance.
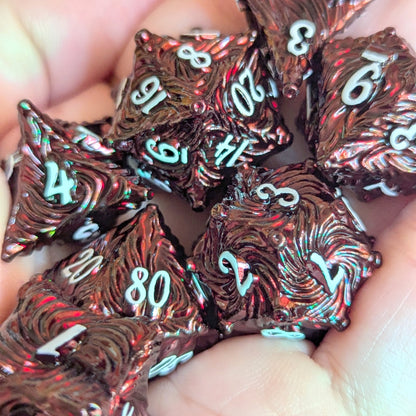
(83, 267)
(137, 293)
(86, 231)
(196, 59)
(280, 333)
(166, 152)
(383, 188)
(128, 410)
(360, 85)
(244, 98)
(299, 31)
(225, 149)
(168, 364)
(57, 186)
(331, 282)
(148, 94)
(264, 189)
(239, 268)
(401, 137)
(50, 348)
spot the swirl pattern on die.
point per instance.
(79, 186)
(101, 277)
(327, 16)
(306, 259)
(190, 123)
(103, 370)
(354, 143)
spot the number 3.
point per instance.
(300, 30)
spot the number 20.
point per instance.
(244, 98)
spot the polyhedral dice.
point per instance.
(65, 184)
(135, 270)
(362, 126)
(194, 109)
(295, 30)
(284, 254)
(57, 358)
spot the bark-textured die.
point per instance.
(57, 358)
(295, 30)
(135, 270)
(362, 127)
(192, 109)
(64, 183)
(283, 251)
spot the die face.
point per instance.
(133, 270)
(362, 126)
(86, 355)
(283, 250)
(212, 118)
(293, 37)
(61, 190)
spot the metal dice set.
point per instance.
(283, 253)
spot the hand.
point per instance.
(67, 67)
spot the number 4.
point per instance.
(52, 187)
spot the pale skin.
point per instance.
(65, 56)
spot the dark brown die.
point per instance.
(194, 109)
(362, 126)
(56, 358)
(295, 30)
(283, 252)
(135, 270)
(65, 184)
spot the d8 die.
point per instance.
(283, 252)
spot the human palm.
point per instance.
(66, 56)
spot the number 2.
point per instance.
(239, 269)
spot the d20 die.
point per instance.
(193, 109)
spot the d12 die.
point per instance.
(283, 252)
(194, 108)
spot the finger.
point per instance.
(374, 362)
(50, 50)
(89, 105)
(244, 376)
